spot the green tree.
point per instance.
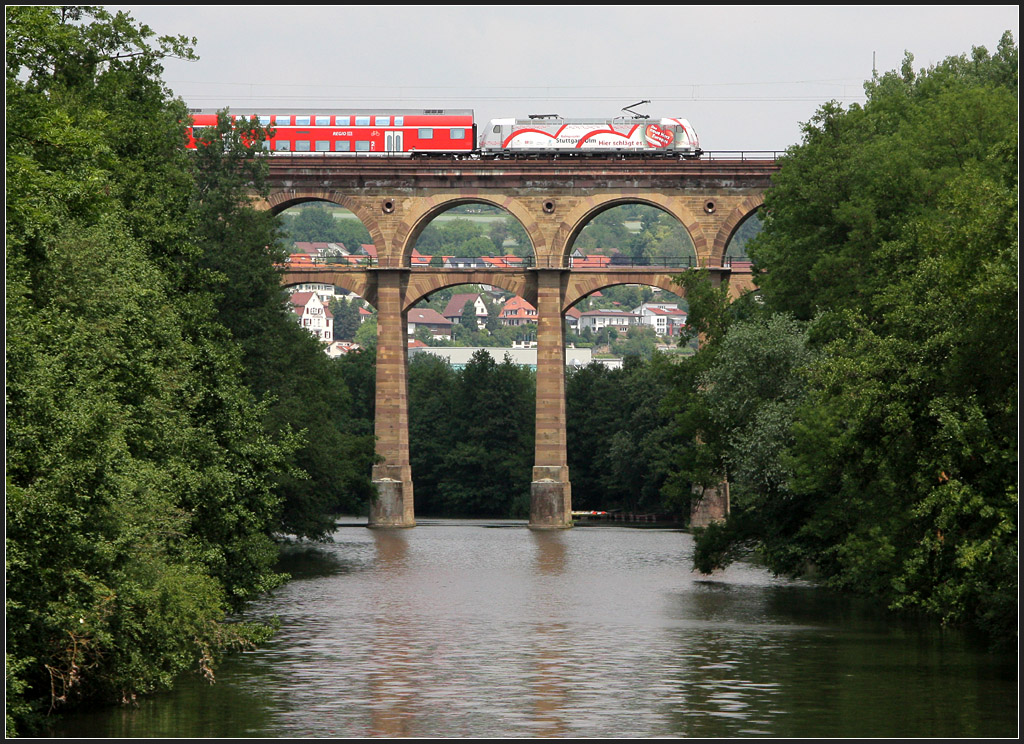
(621, 439)
(895, 468)
(849, 188)
(472, 452)
(346, 318)
(468, 318)
(313, 224)
(285, 365)
(139, 476)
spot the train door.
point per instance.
(393, 142)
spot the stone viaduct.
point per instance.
(554, 199)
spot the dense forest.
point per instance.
(168, 423)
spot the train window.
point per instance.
(399, 121)
(381, 121)
(323, 121)
(264, 121)
(323, 145)
(362, 145)
(301, 145)
(282, 146)
(496, 129)
(266, 145)
(302, 121)
(362, 121)
(345, 146)
(285, 120)
(341, 121)
(426, 134)
(458, 134)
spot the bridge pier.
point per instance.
(550, 491)
(393, 504)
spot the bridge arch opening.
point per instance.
(626, 233)
(741, 225)
(471, 399)
(736, 245)
(634, 319)
(323, 232)
(452, 312)
(318, 235)
(467, 233)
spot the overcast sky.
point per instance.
(745, 77)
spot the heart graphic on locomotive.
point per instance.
(658, 137)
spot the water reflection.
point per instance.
(550, 551)
(551, 641)
(456, 629)
(390, 691)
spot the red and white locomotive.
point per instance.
(554, 134)
(410, 132)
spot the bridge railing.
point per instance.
(605, 263)
(742, 155)
(359, 262)
(483, 263)
(593, 262)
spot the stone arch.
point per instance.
(582, 285)
(728, 228)
(587, 209)
(426, 209)
(279, 201)
(354, 281)
(423, 285)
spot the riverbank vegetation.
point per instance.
(160, 425)
(865, 412)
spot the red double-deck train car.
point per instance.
(356, 132)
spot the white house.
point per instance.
(595, 320)
(667, 320)
(517, 312)
(457, 304)
(326, 292)
(433, 321)
(313, 315)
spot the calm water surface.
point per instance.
(461, 628)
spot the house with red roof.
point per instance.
(572, 318)
(504, 261)
(667, 320)
(418, 259)
(425, 317)
(517, 312)
(457, 305)
(596, 261)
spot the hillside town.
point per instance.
(452, 318)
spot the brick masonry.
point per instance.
(396, 199)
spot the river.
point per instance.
(488, 629)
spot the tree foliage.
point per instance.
(146, 445)
(621, 438)
(315, 223)
(882, 456)
(471, 432)
(285, 366)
